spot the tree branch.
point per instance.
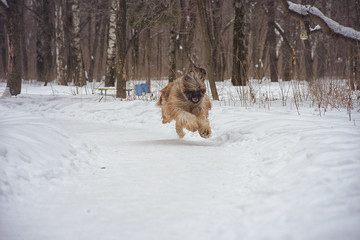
(327, 25)
(151, 20)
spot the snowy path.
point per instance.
(262, 175)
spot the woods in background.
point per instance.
(78, 41)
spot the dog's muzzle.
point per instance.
(195, 99)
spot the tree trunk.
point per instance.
(111, 51)
(79, 72)
(307, 54)
(3, 50)
(147, 57)
(43, 41)
(271, 41)
(188, 42)
(205, 29)
(121, 40)
(100, 68)
(23, 43)
(40, 49)
(239, 71)
(89, 41)
(159, 56)
(14, 48)
(216, 24)
(59, 43)
(135, 54)
(93, 55)
(172, 52)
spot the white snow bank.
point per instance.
(292, 176)
(34, 151)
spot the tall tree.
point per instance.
(239, 71)
(208, 42)
(11, 10)
(135, 53)
(147, 57)
(102, 35)
(43, 40)
(95, 45)
(121, 42)
(172, 51)
(307, 55)
(78, 71)
(59, 43)
(111, 50)
(23, 41)
(271, 40)
(188, 35)
(3, 48)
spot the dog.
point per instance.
(185, 101)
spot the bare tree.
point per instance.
(43, 40)
(25, 65)
(78, 71)
(59, 42)
(239, 71)
(271, 40)
(11, 11)
(208, 42)
(111, 50)
(93, 51)
(3, 47)
(121, 42)
(188, 35)
(147, 57)
(103, 37)
(172, 51)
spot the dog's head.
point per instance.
(194, 86)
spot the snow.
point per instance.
(279, 26)
(316, 28)
(5, 3)
(333, 25)
(74, 168)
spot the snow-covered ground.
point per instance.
(73, 168)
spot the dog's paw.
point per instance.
(164, 121)
(205, 132)
(181, 133)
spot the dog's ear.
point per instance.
(196, 72)
(202, 73)
(189, 77)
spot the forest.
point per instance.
(266, 146)
(80, 41)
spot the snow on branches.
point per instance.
(326, 24)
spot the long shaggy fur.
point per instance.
(186, 102)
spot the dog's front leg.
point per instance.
(186, 120)
(179, 130)
(165, 115)
(204, 127)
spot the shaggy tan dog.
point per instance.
(185, 101)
